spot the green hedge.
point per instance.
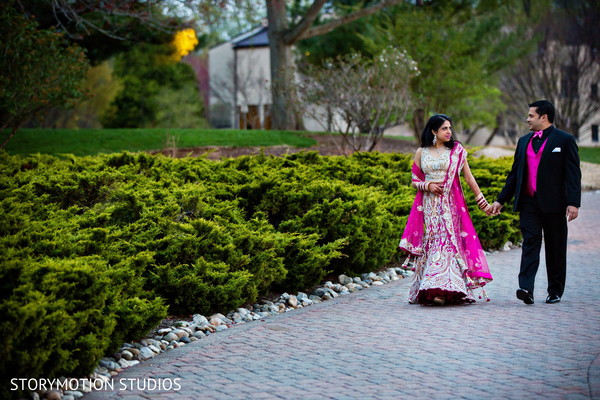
(88, 244)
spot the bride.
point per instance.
(447, 257)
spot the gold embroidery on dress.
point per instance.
(441, 266)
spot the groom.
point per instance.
(545, 181)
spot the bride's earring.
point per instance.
(434, 140)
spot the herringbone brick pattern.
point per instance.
(373, 345)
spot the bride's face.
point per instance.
(444, 134)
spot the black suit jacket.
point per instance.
(559, 174)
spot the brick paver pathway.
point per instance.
(373, 345)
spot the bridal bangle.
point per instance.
(481, 202)
(424, 186)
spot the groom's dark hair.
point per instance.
(544, 107)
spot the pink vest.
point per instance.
(533, 162)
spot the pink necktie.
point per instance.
(538, 134)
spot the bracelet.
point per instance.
(481, 202)
(423, 186)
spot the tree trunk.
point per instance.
(282, 68)
(499, 126)
(13, 131)
(573, 129)
(488, 141)
(285, 114)
(418, 123)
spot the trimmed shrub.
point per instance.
(91, 243)
(58, 317)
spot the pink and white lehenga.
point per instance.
(447, 256)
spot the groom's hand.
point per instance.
(496, 207)
(572, 213)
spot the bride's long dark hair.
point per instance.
(434, 123)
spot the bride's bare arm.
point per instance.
(470, 179)
(418, 162)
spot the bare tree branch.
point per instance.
(562, 74)
(329, 26)
(305, 23)
(364, 96)
(112, 17)
(563, 69)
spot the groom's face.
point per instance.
(534, 120)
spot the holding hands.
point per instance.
(495, 208)
(489, 210)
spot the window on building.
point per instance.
(594, 133)
(594, 91)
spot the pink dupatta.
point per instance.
(412, 238)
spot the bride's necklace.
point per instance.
(438, 150)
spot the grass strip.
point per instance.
(83, 142)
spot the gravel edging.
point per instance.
(174, 333)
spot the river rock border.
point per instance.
(171, 334)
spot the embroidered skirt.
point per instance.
(441, 271)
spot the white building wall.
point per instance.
(585, 133)
(220, 72)
(585, 90)
(254, 75)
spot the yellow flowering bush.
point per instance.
(184, 42)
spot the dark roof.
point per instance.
(258, 39)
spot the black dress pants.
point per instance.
(553, 227)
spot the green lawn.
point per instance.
(93, 141)
(83, 142)
(590, 154)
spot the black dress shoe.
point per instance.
(553, 298)
(524, 295)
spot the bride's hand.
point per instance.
(436, 188)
